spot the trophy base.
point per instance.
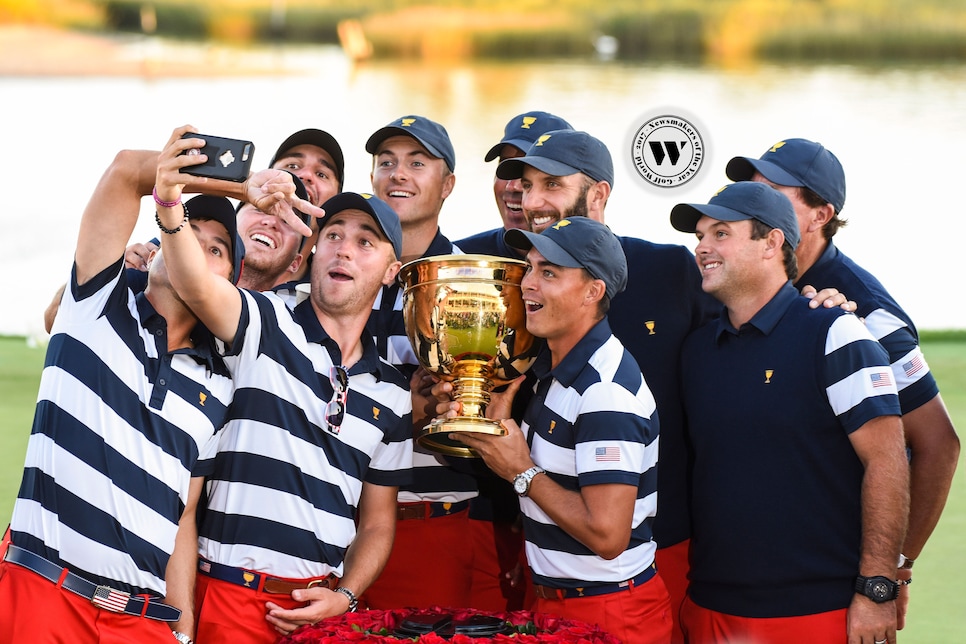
(435, 436)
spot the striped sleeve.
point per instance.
(859, 382)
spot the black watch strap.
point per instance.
(879, 589)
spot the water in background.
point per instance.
(898, 132)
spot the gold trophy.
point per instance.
(466, 321)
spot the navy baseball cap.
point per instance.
(385, 217)
(740, 201)
(578, 242)
(524, 129)
(318, 138)
(796, 162)
(220, 209)
(561, 153)
(430, 134)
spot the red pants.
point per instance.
(34, 610)
(431, 564)
(703, 626)
(672, 563)
(231, 614)
(639, 615)
(497, 551)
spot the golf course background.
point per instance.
(937, 614)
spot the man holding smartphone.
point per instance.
(301, 505)
(102, 541)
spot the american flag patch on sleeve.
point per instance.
(602, 454)
(912, 366)
(110, 599)
(881, 379)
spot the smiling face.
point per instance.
(509, 193)
(561, 302)
(271, 248)
(731, 262)
(353, 261)
(547, 198)
(411, 180)
(315, 167)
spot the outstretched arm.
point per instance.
(214, 300)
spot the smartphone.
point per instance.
(229, 159)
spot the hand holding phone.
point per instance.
(229, 159)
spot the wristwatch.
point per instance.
(181, 637)
(521, 482)
(879, 589)
(353, 600)
(905, 563)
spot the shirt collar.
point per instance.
(767, 318)
(569, 369)
(306, 318)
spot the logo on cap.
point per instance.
(560, 224)
(365, 195)
(775, 147)
(543, 138)
(528, 121)
(408, 122)
(667, 151)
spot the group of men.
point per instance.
(699, 454)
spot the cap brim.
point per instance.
(685, 216)
(380, 135)
(513, 168)
(319, 139)
(744, 168)
(551, 250)
(354, 201)
(521, 144)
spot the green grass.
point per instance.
(936, 614)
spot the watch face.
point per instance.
(880, 590)
(520, 484)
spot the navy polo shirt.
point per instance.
(776, 501)
(489, 242)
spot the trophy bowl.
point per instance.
(466, 321)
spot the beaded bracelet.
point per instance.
(161, 202)
(171, 231)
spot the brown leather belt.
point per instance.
(261, 581)
(428, 510)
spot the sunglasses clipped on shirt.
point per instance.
(335, 408)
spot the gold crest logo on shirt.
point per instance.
(553, 424)
(375, 413)
(768, 374)
(202, 397)
(249, 577)
(650, 327)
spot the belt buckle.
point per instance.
(324, 582)
(110, 599)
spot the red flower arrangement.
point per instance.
(381, 626)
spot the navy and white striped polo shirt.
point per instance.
(433, 480)
(884, 319)
(776, 486)
(120, 426)
(592, 421)
(284, 490)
